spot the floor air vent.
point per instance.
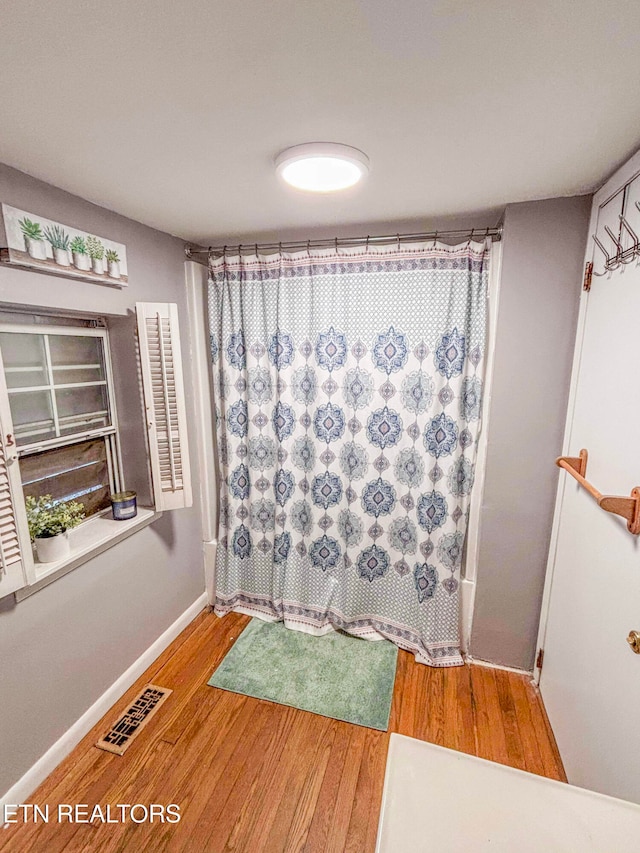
(130, 724)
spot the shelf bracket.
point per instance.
(577, 463)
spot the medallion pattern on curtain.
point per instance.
(348, 391)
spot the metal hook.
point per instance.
(336, 244)
(308, 248)
(398, 242)
(470, 240)
(224, 253)
(629, 230)
(615, 240)
(603, 250)
(239, 251)
(256, 248)
(366, 248)
(280, 247)
(628, 255)
(435, 240)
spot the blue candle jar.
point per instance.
(124, 506)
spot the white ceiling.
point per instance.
(172, 112)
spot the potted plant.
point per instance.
(81, 259)
(49, 522)
(34, 239)
(96, 253)
(113, 263)
(60, 244)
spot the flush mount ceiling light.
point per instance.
(322, 167)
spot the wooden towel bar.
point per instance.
(628, 508)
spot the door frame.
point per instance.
(623, 175)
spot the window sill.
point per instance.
(87, 541)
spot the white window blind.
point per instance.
(163, 388)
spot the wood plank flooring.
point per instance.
(250, 775)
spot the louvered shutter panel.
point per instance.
(163, 388)
(16, 557)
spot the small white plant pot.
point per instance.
(98, 266)
(50, 549)
(37, 249)
(81, 262)
(114, 269)
(61, 257)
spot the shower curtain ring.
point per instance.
(366, 248)
(256, 247)
(239, 251)
(470, 240)
(435, 240)
(397, 242)
(308, 248)
(336, 243)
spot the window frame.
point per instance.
(110, 433)
(45, 330)
(35, 571)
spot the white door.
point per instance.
(590, 678)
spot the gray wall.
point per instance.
(66, 644)
(544, 244)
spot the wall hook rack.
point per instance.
(627, 507)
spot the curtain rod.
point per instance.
(480, 233)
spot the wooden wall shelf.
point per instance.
(627, 507)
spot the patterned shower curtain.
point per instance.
(348, 390)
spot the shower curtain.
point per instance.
(348, 388)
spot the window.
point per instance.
(59, 432)
(59, 386)
(74, 472)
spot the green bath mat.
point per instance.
(335, 675)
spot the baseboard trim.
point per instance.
(24, 787)
(479, 662)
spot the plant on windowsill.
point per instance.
(95, 248)
(49, 522)
(60, 243)
(81, 259)
(33, 239)
(113, 263)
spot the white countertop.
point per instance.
(437, 800)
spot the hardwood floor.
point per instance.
(250, 775)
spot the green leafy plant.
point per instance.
(95, 248)
(112, 256)
(30, 229)
(79, 246)
(57, 236)
(47, 517)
